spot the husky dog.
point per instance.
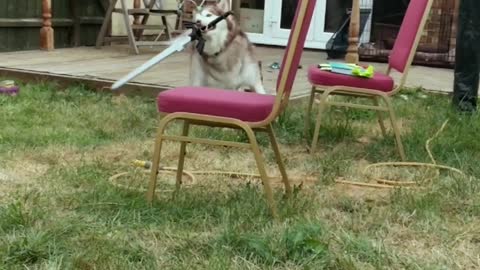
(228, 59)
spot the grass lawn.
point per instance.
(58, 148)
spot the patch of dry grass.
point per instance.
(59, 211)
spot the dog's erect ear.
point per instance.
(224, 5)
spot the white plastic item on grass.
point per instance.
(177, 46)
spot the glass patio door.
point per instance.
(283, 12)
(327, 17)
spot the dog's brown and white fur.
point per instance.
(228, 60)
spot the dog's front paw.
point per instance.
(261, 92)
(259, 89)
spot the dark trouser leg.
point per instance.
(467, 61)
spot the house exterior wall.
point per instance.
(439, 29)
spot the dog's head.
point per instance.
(209, 12)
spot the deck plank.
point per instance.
(113, 62)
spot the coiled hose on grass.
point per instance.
(380, 183)
(383, 183)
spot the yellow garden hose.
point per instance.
(190, 174)
(382, 183)
(146, 165)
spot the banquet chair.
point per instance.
(227, 108)
(380, 87)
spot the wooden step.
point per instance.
(153, 43)
(164, 11)
(147, 27)
(133, 11)
(146, 11)
(115, 38)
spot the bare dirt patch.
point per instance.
(20, 175)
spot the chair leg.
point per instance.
(396, 130)
(128, 27)
(280, 163)
(178, 23)
(145, 19)
(167, 31)
(306, 127)
(321, 108)
(261, 168)
(181, 159)
(380, 117)
(156, 160)
(106, 22)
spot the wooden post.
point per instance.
(137, 4)
(46, 33)
(136, 18)
(354, 34)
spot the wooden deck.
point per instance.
(101, 67)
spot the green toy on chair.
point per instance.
(348, 69)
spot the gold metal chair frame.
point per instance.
(250, 128)
(373, 95)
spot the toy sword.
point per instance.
(178, 45)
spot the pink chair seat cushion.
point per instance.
(380, 82)
(248, 107)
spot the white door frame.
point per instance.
(316, 36)
(276, 14)
(274, 35)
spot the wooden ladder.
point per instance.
(135, 31)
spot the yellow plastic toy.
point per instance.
(349, 69)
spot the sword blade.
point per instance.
(177, 46)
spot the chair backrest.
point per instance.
(406, 43)
(294, 49)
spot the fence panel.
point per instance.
(76, 23)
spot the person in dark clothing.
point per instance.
(467, 57)
(335, 14)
